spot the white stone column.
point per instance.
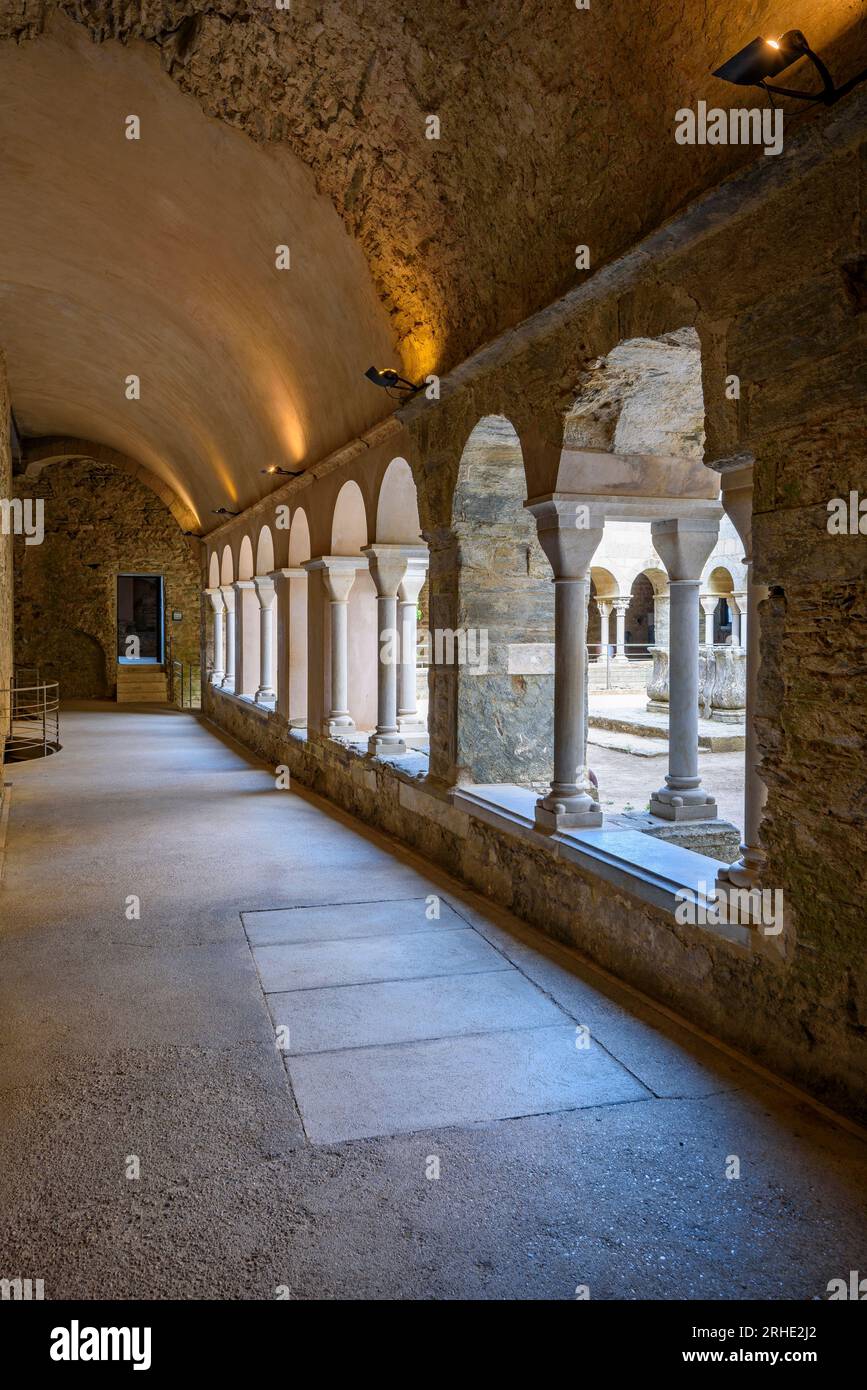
(738, 607)
(218, 607)
(708, 605)
(228, 681)
(338, 574)
(246, 638)
(621, 606)
(683, 545)
(660, 619)
(387, 568)
(266, 693)
(410, 587)
(569, 546)
(604, 605)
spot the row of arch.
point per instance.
(396, 521)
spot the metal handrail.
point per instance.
(33, 728)
(186, 685)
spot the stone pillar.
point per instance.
(737, 499)
(228, 681)
(738, 605)
(569, 546)
(246, 638)
(219, 607)
(266, 693)
(291, 630)
(708, 604)
(407, 621)
(683, 545)
(660, 620)
(338, 577)
(620, 607)
(604, 605)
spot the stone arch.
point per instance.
(246, 568)
(214, 571)
(397, 518)
(348, 537)
(349, 521)
(501, 685)
(42, 452)
(293, 667)
(265, 551)
(227, 566)
(299, 538)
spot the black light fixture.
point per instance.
(192, 533)
(286, 472)
(764, 58)
(391, 381)
(224, 511)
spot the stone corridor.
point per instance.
(427, 1129)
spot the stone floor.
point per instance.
(342, 1075)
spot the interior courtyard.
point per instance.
(432, 632)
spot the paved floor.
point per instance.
(312, 1063)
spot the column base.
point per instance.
(657, 707)
(552, 816)
(728, 716)
(410, 725)
(680, 806)
(265, 696)
(217, 677)
(385, 744)
(340, 726)
(228, 683)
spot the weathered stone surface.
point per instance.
(99, 523)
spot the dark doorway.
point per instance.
(139, 618)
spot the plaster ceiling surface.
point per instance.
(308, 126)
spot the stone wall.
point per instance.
(99, 522)
(5, 569)
(770, 269)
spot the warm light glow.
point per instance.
(773, 43)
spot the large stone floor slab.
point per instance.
(323, 1020)
(153, 1037)
(339, 921)
(456, 1081)
(314, 964)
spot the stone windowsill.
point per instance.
(650, 869)
(653, 870)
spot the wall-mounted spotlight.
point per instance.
(192, 533)
(285, 472)
(391, 381)
(764, 58)
(224, 511)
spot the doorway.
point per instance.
(140, 619)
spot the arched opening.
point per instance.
(227, 566)
(213, 571)
(292, 658)
(246, 624)
(265, 552)
(500, 661)
(397, 523)
(349, 535)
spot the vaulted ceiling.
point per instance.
(307, 127)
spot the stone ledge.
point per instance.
(651, 869)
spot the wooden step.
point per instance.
(141, 685)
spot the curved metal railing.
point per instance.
(33, 727)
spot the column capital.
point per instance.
(388, 565)
(241, 584)
(620, 604)
(569, 531)
(738, 600)
(265, 589)
(218, 602)
(684, 544)
(736, 479)
(288, 572)
(710, 601)
(228, 592)
(605, 606)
